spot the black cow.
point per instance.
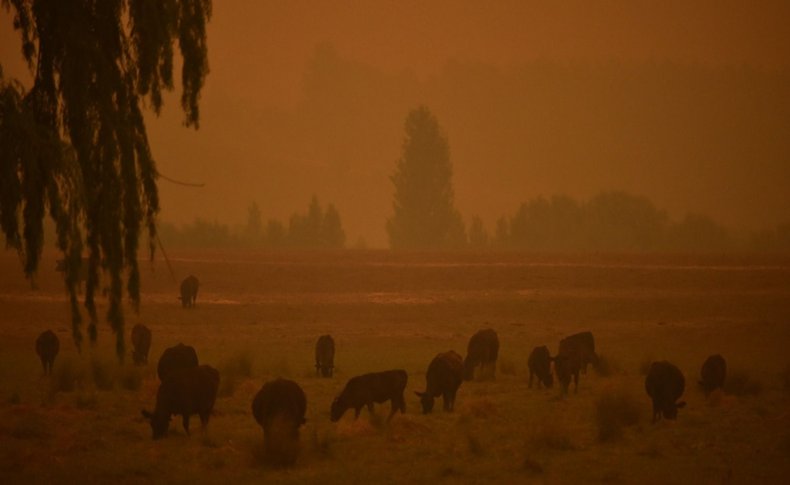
(444, 377)
(325, 356)
(279, 408)
(189, 291)
(714, 372)
(47, 347)
(141, 342)
(665, 384)
(367, 389)
(482, 351)
(540, 365)
(566, 366)
(174, 358)
(584, 344)
(185, 392)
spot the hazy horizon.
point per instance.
(688, 105)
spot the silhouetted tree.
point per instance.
(316, 228)
(253, 230)
(332, 234)
(75, 144)
(425, 215)
(478, 236)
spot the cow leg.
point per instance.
(370, 408)
(356, 412)
(186, 423)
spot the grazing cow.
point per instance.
(482, 351)
(141, 341)
(444, 377)
(714, 371)
(567, 365)
(185, 392)
(47, 347)
(325, 356)
(540, 365)
(665, 384)
(584, 342)
(279, 408)
(366, 389)
(174, 358)
(189, 291)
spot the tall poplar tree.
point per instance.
(75, 144)
(424, 212)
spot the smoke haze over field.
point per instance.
(688, 105)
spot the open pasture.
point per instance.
(258, 316)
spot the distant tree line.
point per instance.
(615, 221)
(315, 229)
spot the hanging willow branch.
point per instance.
(75, 145)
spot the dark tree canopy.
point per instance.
(75, 145)
(425, 215)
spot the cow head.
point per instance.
(548, 379)
(426, 400)
(159, 423)
(563, 371)
(337, 410)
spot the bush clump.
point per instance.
(741, 383)
(615, 410)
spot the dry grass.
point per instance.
(507, 367)
(392, 310)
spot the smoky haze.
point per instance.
(688, 105)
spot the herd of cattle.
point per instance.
(188, 388)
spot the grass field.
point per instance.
(258, 316)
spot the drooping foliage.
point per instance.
(75, 144)
(425, 215)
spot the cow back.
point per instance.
(176, 358)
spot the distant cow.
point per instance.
(584, 343)
(141, 343)
(325, 356)
(482, 351)
(185, 392)
(189, 291)
(566, 366)
(279, 407)
(714, 371)
(444, 377)
(174, 358)
(665, 384)
(367, 389)
(47, 347)
(540, 365)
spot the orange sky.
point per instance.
(269, 135)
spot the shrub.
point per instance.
(740, 383)
(31, 426)
(102, 374)
(239, 365)
(227, 385)
(66, 375)
(605, 366)
(614, 410)
(86, 400)
(475, 447)
(130, 378)
(550, 434)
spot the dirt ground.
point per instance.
(264, 311)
